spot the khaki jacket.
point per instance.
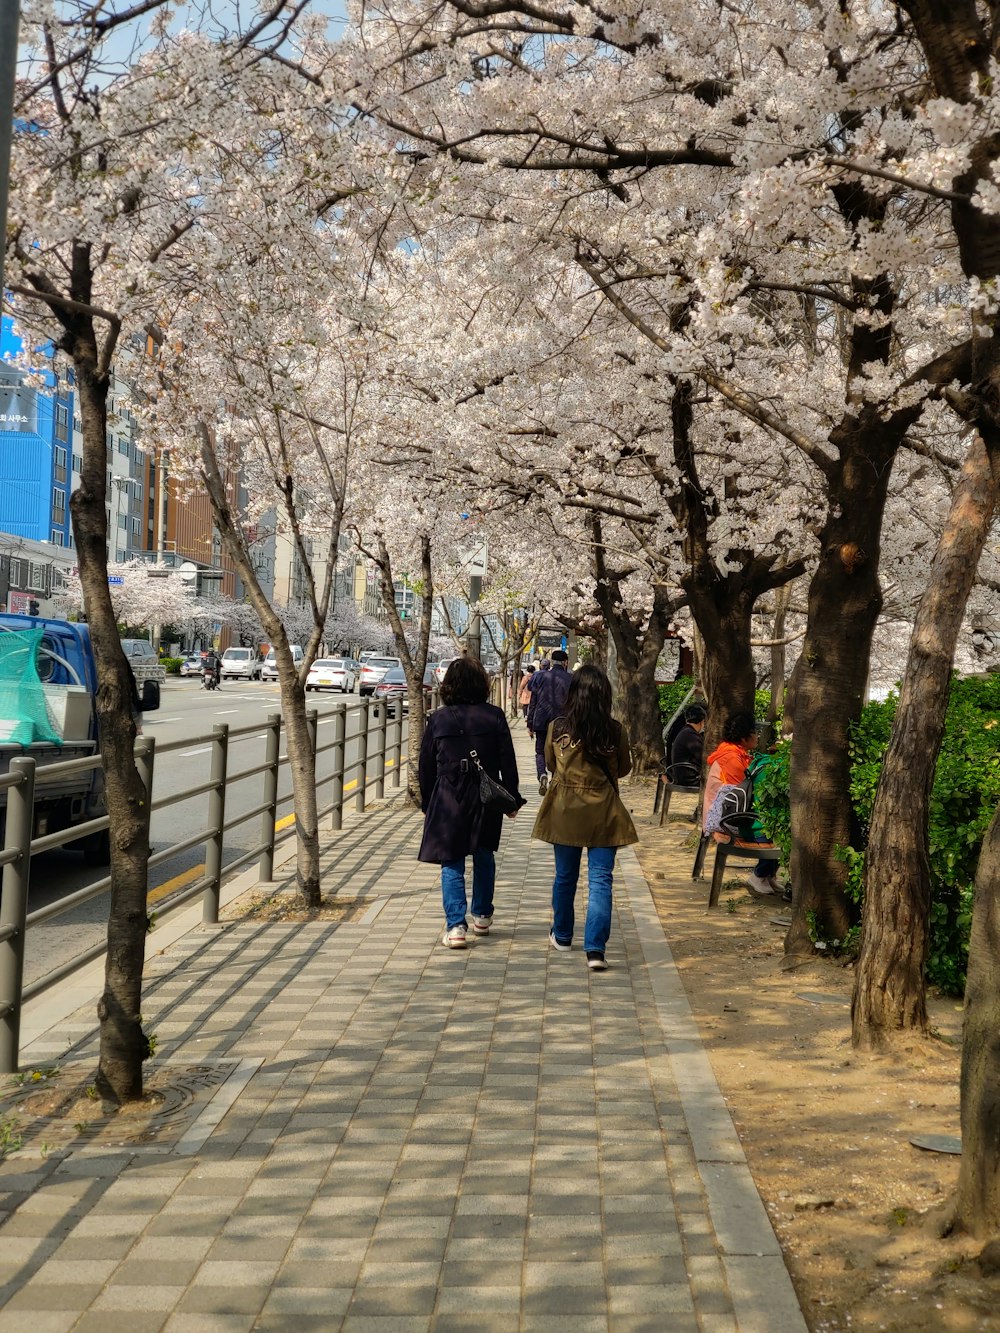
(581, 807)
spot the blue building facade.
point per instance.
(36, 441)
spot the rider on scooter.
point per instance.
(211, 666)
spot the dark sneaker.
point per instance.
(543, 783)
(557, 945)
(596, 962)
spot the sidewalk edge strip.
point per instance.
(760, 1293)
(197, 1135)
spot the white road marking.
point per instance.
(221, 712)
(204, 749)
(159, 721)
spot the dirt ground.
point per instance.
(858, 1210)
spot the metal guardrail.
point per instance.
(368, 770)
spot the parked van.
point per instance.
(269, 670)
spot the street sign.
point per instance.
(115, 580)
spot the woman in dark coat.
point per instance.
(456, 823)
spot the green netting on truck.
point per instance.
(24, 716)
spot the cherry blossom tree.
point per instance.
(138, 597)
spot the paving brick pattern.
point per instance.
(435, 1140)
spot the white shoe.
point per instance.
(760, 888)
(454, 938)
(481, 924)
(557, 945)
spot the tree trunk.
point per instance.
(889, 992)
(123, 1045)
(844, 604)
(977, 1209)
(726, 663)
(782, 596)
(302, 766)
(641, 709)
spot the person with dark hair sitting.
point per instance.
(688, 746)
(728, 765)
(456, 823)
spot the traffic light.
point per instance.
(32, 607)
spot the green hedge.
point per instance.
(671, 696)
(171, 665)
(965, 795)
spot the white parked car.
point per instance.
(269, 671)
(331, 673)
(372, 671)
(240, 664)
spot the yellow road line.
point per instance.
(189, 876)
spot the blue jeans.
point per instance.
(484, 873)
(600, 870)
(765, 869)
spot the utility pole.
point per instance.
(474, 634)
(10, 16)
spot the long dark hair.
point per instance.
(587, 715)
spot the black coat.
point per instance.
(687, 750)
(455, 820)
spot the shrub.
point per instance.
(172, 665)
(964, 796)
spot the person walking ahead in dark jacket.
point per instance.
(548, 698)
(456, 823)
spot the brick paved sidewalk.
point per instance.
(421, 1139)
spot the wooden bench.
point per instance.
(683, 779)
(728, 845)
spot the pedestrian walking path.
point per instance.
(414, 1138)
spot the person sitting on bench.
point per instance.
(728, 764)
(688, 746)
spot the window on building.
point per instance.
(123, 446)
(136, 527)
(78, 463)
(58, 498)
(16, 573)
(36, 577)
(62, 421)
(122, 519)
(120, 555)
(57, 537)
(137, 490)
(59, 463)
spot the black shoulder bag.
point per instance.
(492, 794)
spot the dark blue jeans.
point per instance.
(600, 870)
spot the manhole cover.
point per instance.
(823, 997)
(938, 1143)
(57, 1107)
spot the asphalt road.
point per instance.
(189, 713)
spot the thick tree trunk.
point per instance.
(844, 603)
(889, 991)
(641, 709)
(123, 1045)
(977, 1208)
(726, 663)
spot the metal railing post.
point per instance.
(383, 741)
(272, 749)
(397, 744)
(364, 719)
(145, 757)
(216, 821)
(339, 763)
(14, 907)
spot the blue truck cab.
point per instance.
(61, 727)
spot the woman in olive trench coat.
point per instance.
(456, 823)
(587, 751)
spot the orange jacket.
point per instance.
(732, 760)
